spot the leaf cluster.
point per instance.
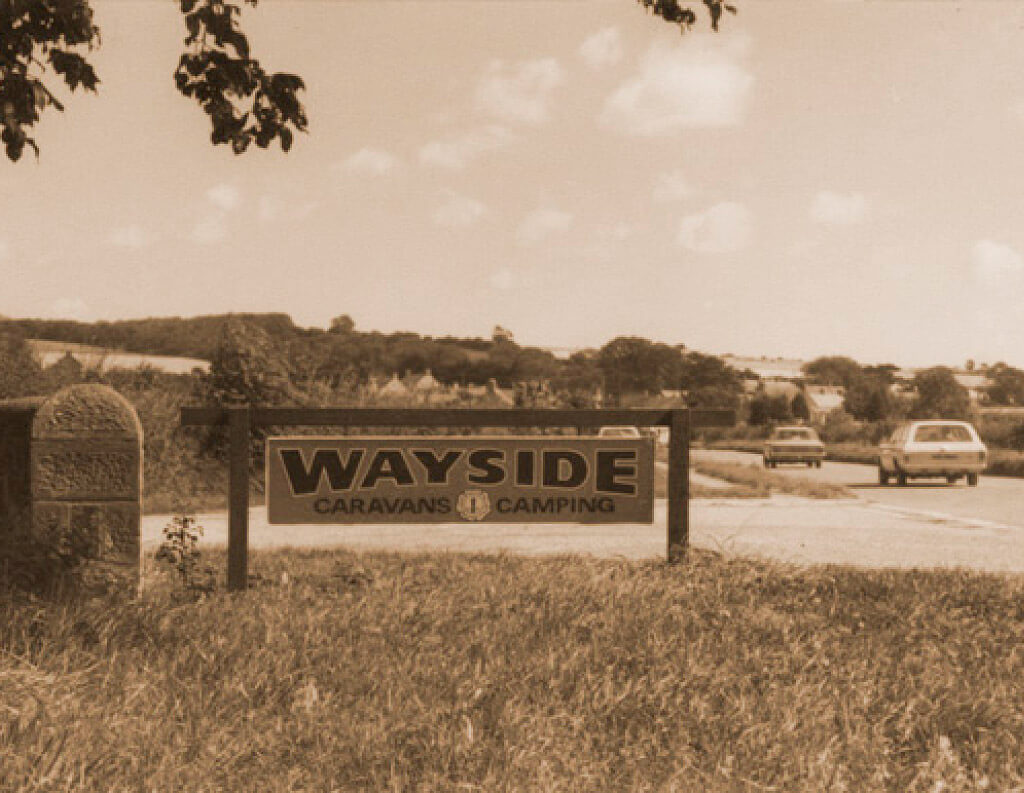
(34, 36)
(684, 15)
(246, 104)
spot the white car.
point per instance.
(793, 445)
(619, 432)
(936, 448)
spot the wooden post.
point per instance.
(239, 430)
(678, 484)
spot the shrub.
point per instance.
(841, 427)
(180, 552)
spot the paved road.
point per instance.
(996, 499)
(784, 528)
(923, 525)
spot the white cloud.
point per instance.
(723, 228)
(838, 209)
(225, 196)
(133, 236)
(672, 186)
(520, 92)
(695, 83)
(69, 308)
(459, 210)
(993, 262)
(373, 162)
(542, 223)
(210, 230)
(459, 151)
(604, 48)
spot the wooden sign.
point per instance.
(424, 479)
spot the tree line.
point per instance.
(876, 394)
(296, 359)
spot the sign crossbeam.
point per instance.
(454, 417)
(241, 421)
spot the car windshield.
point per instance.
(939, 433)
(795, 435)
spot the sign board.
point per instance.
(434, 479)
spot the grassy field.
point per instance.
(383, 672)
(761, 482)
(747, 481)
(755, 477)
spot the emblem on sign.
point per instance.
(473, 505)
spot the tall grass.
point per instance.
(384, 672)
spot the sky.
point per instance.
(820, 177)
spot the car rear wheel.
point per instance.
(972, 480)
(951, 478)
(901, 479)
(883, 476)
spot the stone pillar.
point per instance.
(16, 417)
(86, 478)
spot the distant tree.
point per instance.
(500, 334)
(245, 104)
(1007, 385)
(765, 409)
(579, 378)
(19, 370)
(248, 368)
(799, 407)
(939, 395)
(508, 363)
(713, 397)
(708, 380)
(702, 371)
(869, 399)
(885, 372)
(631, 364)
(342, 325)
(832, 370)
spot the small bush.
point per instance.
(180, 552)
